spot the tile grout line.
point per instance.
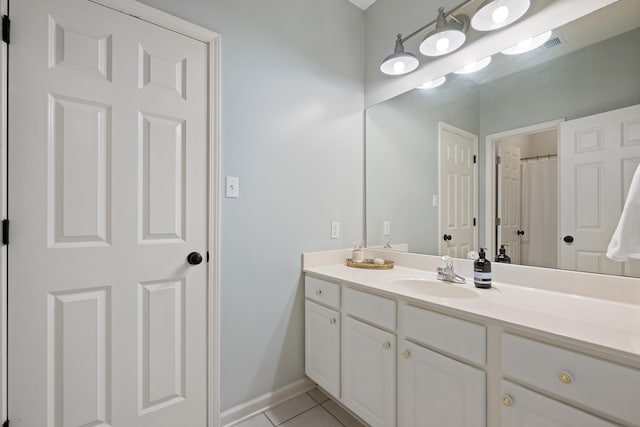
(295, 416)
(331, 413)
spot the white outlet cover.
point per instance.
(232, 187)
(335, 229)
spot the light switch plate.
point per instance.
(233, 187)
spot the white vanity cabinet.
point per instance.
(396, 362)
(525, 408)
(369, 374)
(437, 390)
(322, 334)
(369, 357)
(580, 379)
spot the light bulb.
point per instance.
(528, 44)
(443, 44)
(398, 67)
(474, 66)
(524, 44)
(500, 14)
(433, 83)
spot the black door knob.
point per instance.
(520, 232)
(568, 239)
(446, 237)
(194, 258)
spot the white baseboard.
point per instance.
(248, 409)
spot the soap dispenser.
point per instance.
(482, 271)
(502, 255)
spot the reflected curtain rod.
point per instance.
(545, 156)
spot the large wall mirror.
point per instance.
(534, 152)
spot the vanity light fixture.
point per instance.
(448, 35)
(494, 14)
(433, 83)
(528, 44)
(399, 62)
(474, 66)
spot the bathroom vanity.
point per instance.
(400, 348)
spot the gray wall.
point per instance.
(402, 161)
(292, 130)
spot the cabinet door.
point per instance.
(524, 408)
(322, 347)
(439, 391)
(369, 373)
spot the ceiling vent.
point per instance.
(551, 43)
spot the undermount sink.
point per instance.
(433, 287)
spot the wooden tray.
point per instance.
(368, 263)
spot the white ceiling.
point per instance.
(362, 4)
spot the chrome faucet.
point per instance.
(446, 273)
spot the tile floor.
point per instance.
(312, 409)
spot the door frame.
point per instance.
(212, 40)
(491, 141)
(453, 129)
(4, 331)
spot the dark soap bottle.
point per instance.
(502, 256)
(482, 271)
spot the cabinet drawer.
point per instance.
(322, 291)
(458, 337)
(602, 385)
(522, 407)
(375, 309)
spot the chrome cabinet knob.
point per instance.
(318, 291)
(332, 321)
(405, 354)
(386, 346)
(507, 400)
(565, 377)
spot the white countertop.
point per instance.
(607, 324)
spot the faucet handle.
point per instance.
(447, 262)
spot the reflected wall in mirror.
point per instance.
(562, 121)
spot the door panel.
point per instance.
(369, 373)
(509, 194)
(441, 390)
(457, 191)
(109, 194)
(598, 155)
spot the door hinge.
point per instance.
(6, 30)
(207, 256)
(498, 160)
(474, 222)
(475, 159)
(498, 221)
(5, 233)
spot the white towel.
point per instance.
(625, 242)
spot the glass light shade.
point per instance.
(528, 44)
(474, 66)
(399, 63)
(494, 14)
(433, 83)
(441, 42)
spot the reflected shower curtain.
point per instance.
(539, 245)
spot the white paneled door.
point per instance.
(598, 157)
(108, 196)
(509, 198)
(458, 201)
